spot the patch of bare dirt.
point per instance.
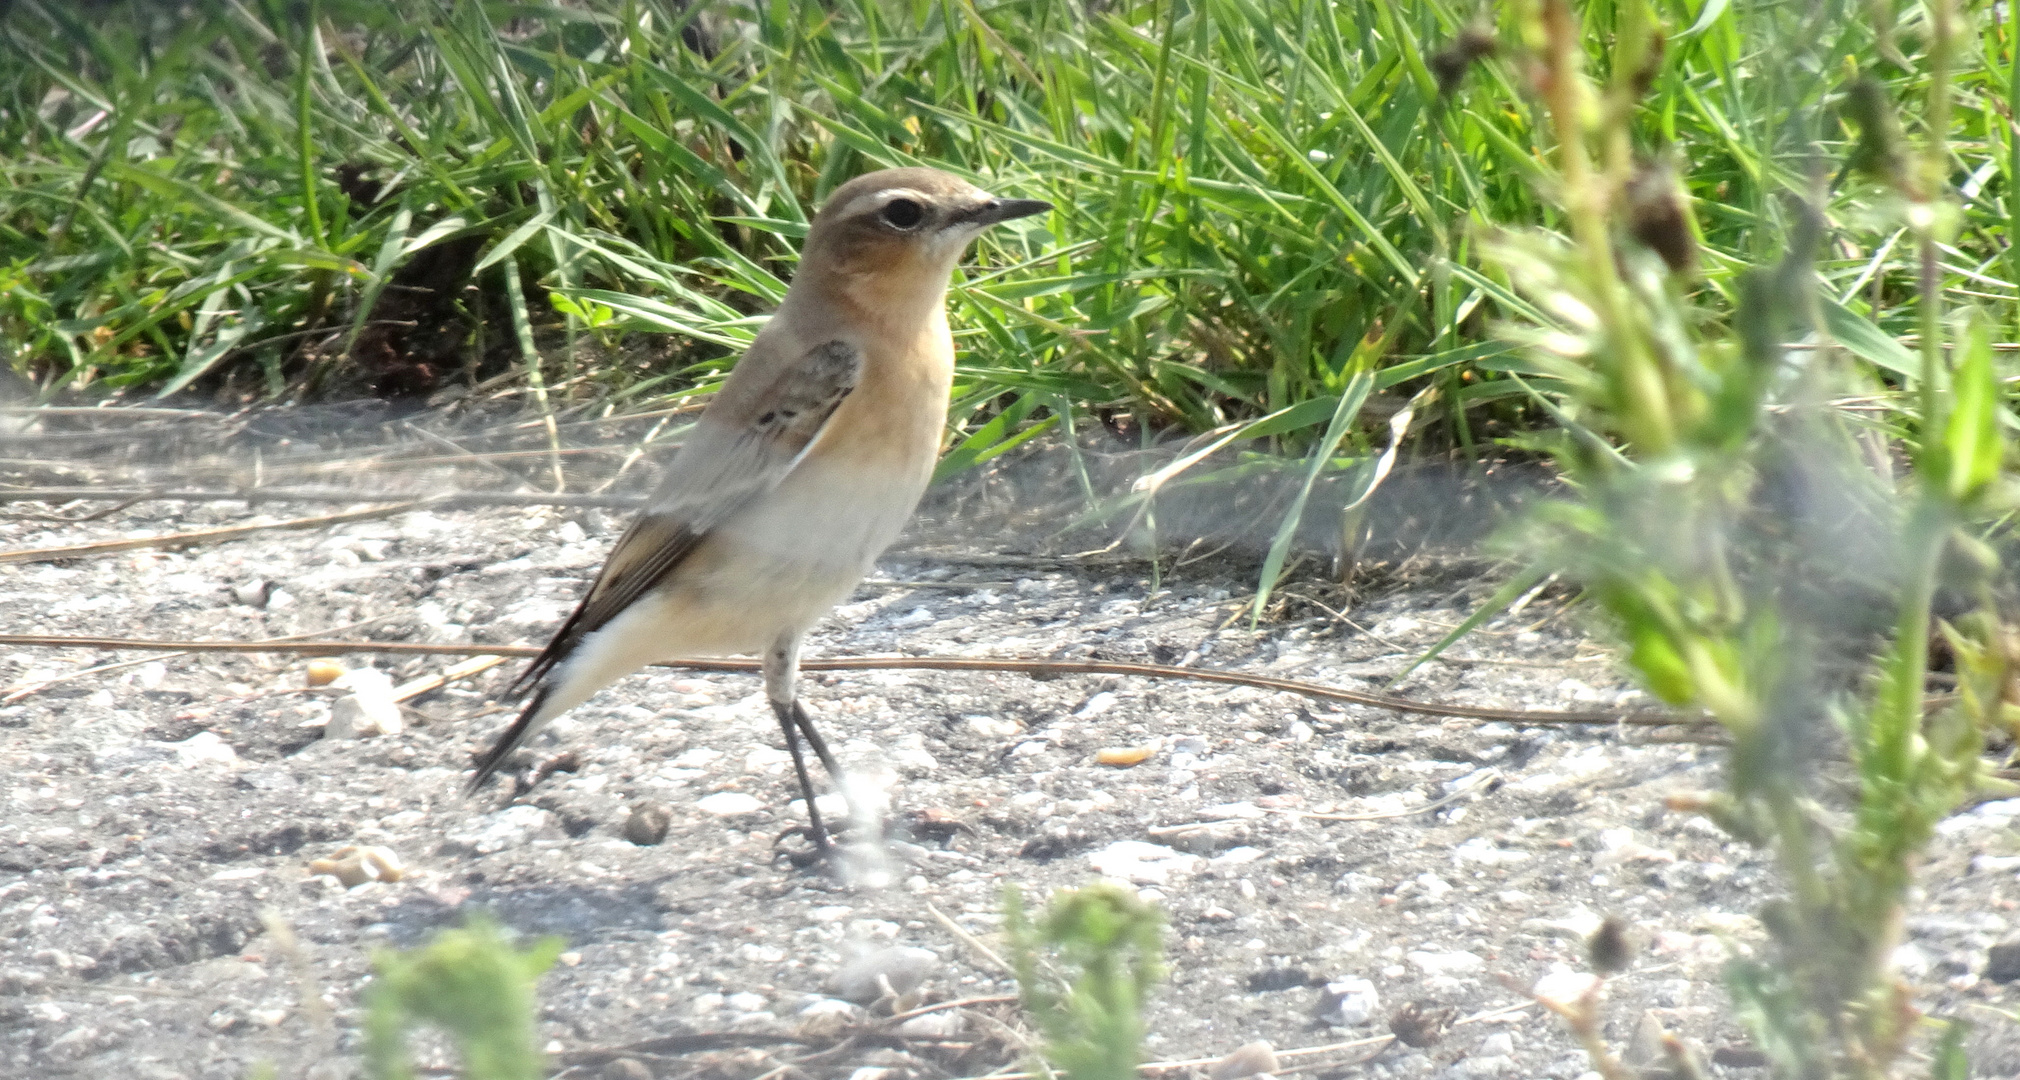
(1326, 871)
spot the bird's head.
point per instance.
(904, 228)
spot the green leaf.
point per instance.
(1343, 419)
(513, 239)
(1972, 443)
(1869, 342)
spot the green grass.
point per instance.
(1258, 201)
(1269, 213)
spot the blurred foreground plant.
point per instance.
(472, 983)
(1100, 952)
(1740, 532)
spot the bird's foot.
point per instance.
(805, 846)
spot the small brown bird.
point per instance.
(804, 467)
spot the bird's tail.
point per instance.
(530, 720)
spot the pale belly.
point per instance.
(776, 568)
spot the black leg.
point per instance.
(789, 714)
(806, 726)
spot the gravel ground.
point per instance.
(158, 807)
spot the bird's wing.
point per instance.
(743, 445)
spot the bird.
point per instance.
(801, 470)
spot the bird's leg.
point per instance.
(856, 816)
(782, 669)
(806, 726)
(782, 676)
(785, 711)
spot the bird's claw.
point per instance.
(817, 847)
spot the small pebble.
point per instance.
(624, 1068)
(1645, 1048)
(1422, 1023)
(369, 708)
(204, 748)
(826, 1018)
(898, 969)
(945, 1024)
(2002, 962)
(647, 823)
(254, 593)
(1143, 864)
(1096, 705)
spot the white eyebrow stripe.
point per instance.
(875, 196)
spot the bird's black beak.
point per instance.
(996, 210)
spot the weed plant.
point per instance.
(1084, 970)
(475, 984)
(1721, 485)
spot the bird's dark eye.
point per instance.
(903, 214)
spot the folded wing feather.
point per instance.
(743, 445)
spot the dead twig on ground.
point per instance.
(1035, 668)
(458, 500)
(201, 536)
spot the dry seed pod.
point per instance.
(1125, 756)
(324, 671)
(352, 865)
(1658, 215)
(1448, 65)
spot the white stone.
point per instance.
(1456, 962)
(1096, 705)
(992, 727)
(1564, 989)
(1143, 863)
(698, 758)
(728, 803)
(1481, 851)
(1349, 1002)
(204, 748)
(508, 828)
(369, 708)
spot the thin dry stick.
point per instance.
(1439, 804)
(453, 673)
(200, 536)
(309, 494)
(29, 689)
(25, 689)
(1038, 668)
(1195, 1063)
(1473, 788)
(957, 1003)
(1302, 1051)
(970, 940)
